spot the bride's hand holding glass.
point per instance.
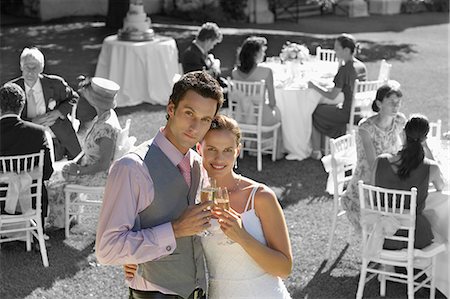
(230, 223)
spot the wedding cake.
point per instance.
(136, 24)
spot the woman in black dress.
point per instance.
(331, 120)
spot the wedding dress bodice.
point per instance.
(232, 273)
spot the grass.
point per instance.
(418, 51)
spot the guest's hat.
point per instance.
(100, 92)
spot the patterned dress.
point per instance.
(106, 126)
(384, 141)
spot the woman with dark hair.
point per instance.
(331, 120)
(249, 68)
(251, 54)
(413, 166)
(378, 134)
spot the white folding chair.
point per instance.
(20, 183)
(246, 100)
(343, 162)
(382, 207)
(328, 55)
(364, 93)
(92, 195)
(385, 71)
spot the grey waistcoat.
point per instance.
(184, 269)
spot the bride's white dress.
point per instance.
(232, 273)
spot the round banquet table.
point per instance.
(144, 70)
(297, 102)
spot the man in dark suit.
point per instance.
(48, 101)
(18, 137)
(196, 57)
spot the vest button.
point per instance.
(169, 248)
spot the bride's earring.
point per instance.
(235, 164)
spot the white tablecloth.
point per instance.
(297, 103)
(437, 211)
(296, 108)
(144, 70)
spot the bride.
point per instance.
(248, 249)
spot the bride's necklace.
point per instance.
(236, 185)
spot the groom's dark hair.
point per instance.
(202, 83)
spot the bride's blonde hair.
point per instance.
(223, 122)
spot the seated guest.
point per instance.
(411, 167)
(379, 134)
(196, 57)
(48, 101)
(251, 54)
(19, 137)
(98, 147)
(331, 120)
(85, 113)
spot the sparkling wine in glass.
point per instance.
(207, 195)
(222, 199)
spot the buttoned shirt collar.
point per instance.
(37, 87)
(174, 155)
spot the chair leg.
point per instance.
(259, 154)
(433, 280)
(67, 212)
(42, 247)
(274, 146)
(410, 274)
(327, 146)
(333, 228)
(28, 237)
(362, 279)
(383, 285)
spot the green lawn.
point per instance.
(418, 50)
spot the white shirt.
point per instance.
(38, 97)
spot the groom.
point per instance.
(149, 216)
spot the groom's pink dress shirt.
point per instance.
(129, 190)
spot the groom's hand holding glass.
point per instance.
(194, 220)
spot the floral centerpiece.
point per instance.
(294, 52)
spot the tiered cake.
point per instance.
(136, 24)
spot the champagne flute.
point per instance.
(207, 195)
(222, 200)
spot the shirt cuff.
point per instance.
(166, 237)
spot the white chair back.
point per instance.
(328, 55)
(20, 184)
(364, 93)
(388, 210)
(384, 73)
(343, 162)
(247, 100)
(245, 105)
